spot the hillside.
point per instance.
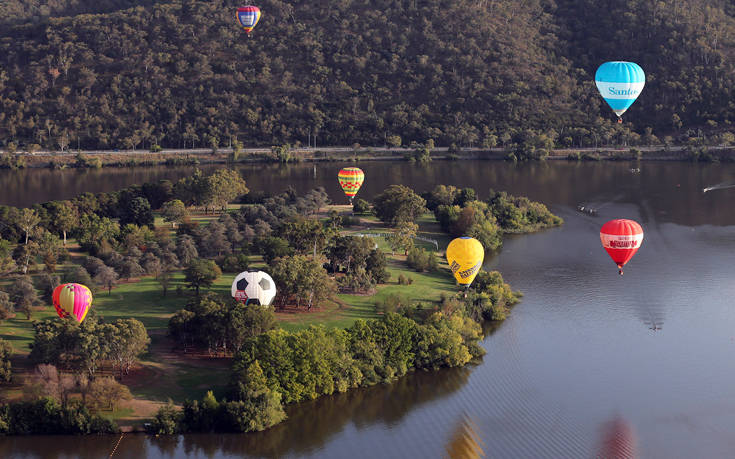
(181, 73)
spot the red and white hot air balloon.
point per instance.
(621, 238)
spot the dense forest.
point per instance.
(181, 73)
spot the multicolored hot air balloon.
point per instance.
(465, 255)
(248, 17)
(620, 83)
(621, 239)
(350, 179)
(72, 300)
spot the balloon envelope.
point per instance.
(72, 300)
(350, 179)
(621, 239)
(465, 255)
(254, 287)
(248, 17)
(620, 83)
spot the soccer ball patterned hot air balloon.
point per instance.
(72, 300)
(350, 179)
(621, 239)
(248, 17)
(465, 255)
(620, 84)
(254, 287)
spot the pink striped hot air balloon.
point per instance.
(72, 300)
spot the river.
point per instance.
(588, 362)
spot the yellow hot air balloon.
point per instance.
(350, 179)
(465, 255)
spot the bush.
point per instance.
(422, 260)
(360, 206)
(234, 263)
(166, 421)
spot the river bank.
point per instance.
(182, 157)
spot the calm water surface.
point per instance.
(577, 370)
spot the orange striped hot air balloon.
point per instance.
(350, 179)
(72, 300)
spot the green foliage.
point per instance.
(301, 279)
(219, 325)
(46, 417)
(6, 350)
(422, 260)
(166, 421)
(519, 214)
(398, 204)
(201, 273)
(360, 206)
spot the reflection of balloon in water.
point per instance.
(254, 287)
(72, 300)
(618, 441)
(465, 255)
(248, 16)
(620, 84)
(621, 238)
(350, 179)
(465, 443)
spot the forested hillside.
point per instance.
(182, 73)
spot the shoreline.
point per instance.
(95, 159)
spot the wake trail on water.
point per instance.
(719, 186)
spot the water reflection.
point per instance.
(465, 443)
(617, 440)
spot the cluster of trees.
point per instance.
(46, 416)
(470, 73)
(319, 361)
(460, 213)
(220, 325)
(81, 349)
(6, 368)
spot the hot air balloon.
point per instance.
(621, 238)
(350, 179)
(465, 255)
(72, 300)
(248, 17)
(620, 84)
(254, 287)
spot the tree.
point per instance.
(223, 186)
(50, 249)
(360, 206)
(106, 277)
(27, 220)
(6, 306)
(174, 212)
(137, 211)
(130, 268)
(402, 236)
(105, 393)
(164, 279)
(398, 203)
(303, 279)
(186, 249)
(7, 264)
(64, 217)
(23, 295)
(260, 406)
(6, 350)
(201, 273)
(127, 339)
(273, 247)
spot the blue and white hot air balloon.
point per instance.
(620, 83)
